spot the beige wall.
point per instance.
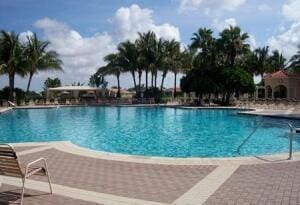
(292, 85)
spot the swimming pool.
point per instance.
(150, 131)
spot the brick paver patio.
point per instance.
(24, 148)
(10, 195)
(152, 182)
(276, 183)
(256, 184)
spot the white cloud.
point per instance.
(286, 42)
(210, 5)
(221, 25)
(80, 55)
(83, 55)
(252, 41)
(130, 20)
(23, 36)
(291, 10)
(264, 7)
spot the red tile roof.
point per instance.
(282, 74)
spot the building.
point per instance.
(112, 92)
(73, 92)
(280, 84)
(85, 92)
(169, 92)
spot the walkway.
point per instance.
(83, 176)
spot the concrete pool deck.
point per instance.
(83, 176)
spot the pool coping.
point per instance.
(69, 147)
(5, 109)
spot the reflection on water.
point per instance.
(151, 131)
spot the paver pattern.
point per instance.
(11, 195)
(276, 183)
(152, 182)
(23, 148)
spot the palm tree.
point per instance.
(52, 83)
(262, 57)
(146, 46)
(295, 60)
(204, 43)
(128, 59)
(232, 43)
(11, 57)
(276, 61)
(112, 68)
(174, 58)
(170, 49)
(39, 59)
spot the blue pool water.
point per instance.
(150, 131)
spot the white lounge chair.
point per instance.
(11, 104)
(10, 166)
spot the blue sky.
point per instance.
(83, 31)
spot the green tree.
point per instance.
(52, 83)
(262, 59)
(276, 61)
(232, 43)
(128, 59)
(146, 47)
(39, 59)
(172, 61)
(12, 58)
(237, 81)
(168, 48)
(97, 80)
(205, 46)
(295, 61)
(112, 68)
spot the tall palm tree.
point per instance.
(11, 57)
(276, 61)
(232, 43)
(262, 59)
(146, 46)
(112, 68)
(295, 60)
(128, 57)
(39, 59)
(174, 58)
(170, 50)
(204, 43)
(159, 58)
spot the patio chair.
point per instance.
(10, 166)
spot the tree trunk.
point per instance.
(152, 78)
(29, 81)
(163, 80)
(155, 79)
(227, 98)
(134, 82)
(11, 78)
(146, 78)
(119, 89)
(140, 81)
(175, 79)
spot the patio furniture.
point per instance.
(10, 166)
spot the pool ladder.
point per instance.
(293, 132)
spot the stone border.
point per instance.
(5, 110)
(69, 147)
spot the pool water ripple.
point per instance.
(156, 131)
